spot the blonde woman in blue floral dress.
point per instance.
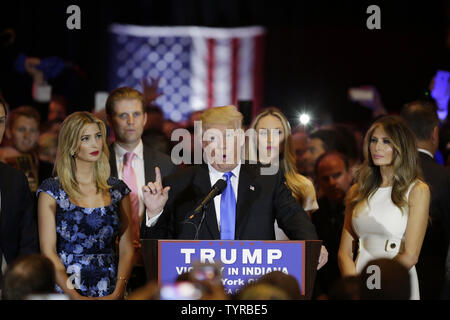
(81, 213)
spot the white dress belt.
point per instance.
(381, 243)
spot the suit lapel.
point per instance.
(112, 161)
(202, 184)
(149, 165)
(247, 192)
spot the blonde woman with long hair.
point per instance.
(387, 209)
(81, 213)
(265, 149)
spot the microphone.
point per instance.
(216, 189)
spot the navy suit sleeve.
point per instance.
(290, 215)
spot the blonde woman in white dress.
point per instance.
(387, 209)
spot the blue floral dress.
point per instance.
(86, 238)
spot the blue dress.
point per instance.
(86, 238)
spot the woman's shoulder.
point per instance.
(418, 187)
(119, 185)
(51, 186)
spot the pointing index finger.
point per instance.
(158, 175)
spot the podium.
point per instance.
(242, 262)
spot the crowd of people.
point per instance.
(79, 191)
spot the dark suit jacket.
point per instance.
(18, 227)
(152, 158)
(329, 221)
(261, 200)
(431, 264)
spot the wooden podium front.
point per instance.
(241, 260)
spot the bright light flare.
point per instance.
(304, 119)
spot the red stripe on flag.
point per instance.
(210, 79)
(258, 73)
(234, 69)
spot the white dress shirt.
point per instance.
(138, 167)
(426, 152)
(215, 175)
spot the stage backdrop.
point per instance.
(198, 67)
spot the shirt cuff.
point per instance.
(151, 222)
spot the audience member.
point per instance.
(153, 134)
(170, 126)
(422, 119)
(57, 108)
(81, 213)
(48, 144)
(22, 132)
(385, 279)
(334, 180)
(262, 291)
(283, 281)
(319, 142)
(347, 135)
(299, 143)
(29, 275)
(346, 288)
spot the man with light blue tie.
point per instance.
(247, 207)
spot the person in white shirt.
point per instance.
(245, 210)
(125, 114)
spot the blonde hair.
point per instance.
(405, 164)
(119, 94)
(294, 180)
(226, 115)
(68, 144)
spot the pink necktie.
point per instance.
(130, 179)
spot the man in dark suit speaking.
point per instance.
(248, 205)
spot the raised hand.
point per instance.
(155, 196)
(150, 90)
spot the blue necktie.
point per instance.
(227, 210)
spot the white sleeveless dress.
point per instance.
(381, 229)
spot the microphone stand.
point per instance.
(201, 222)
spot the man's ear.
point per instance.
(145, 118)
(435, 135)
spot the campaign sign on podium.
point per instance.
(242, 262)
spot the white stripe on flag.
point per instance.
(199, 72)
(245, 69)
(222, 72)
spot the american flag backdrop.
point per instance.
(198, 67)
